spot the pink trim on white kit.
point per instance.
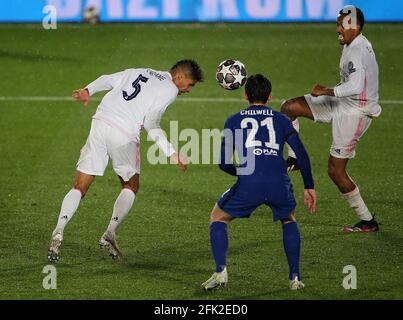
(363, 96)
(357, 134)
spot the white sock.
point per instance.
(291, 152)
(69, 207)
(121, 208)
(357, 204)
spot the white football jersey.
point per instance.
(359, 77)
(137, 99)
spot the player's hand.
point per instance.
(180, 160)
(310, 199)
(319, 90)
(82, 95)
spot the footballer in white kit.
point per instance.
(137, 99)
(349, 107)
(121, 115)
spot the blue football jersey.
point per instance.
(256, 136)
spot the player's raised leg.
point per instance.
(219, 246)
(123, 204)
(70, 205)
(292, 248)
(350, 192)
(294, 108)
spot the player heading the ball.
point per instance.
(137, 99)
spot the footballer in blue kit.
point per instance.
(256, 137)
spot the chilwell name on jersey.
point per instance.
(259, 112)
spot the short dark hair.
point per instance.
(258, 88)
(360, 15)
(190, 67)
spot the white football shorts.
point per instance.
(348, 123)
(104, 142)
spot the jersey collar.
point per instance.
(169, 74)
(356, 41)
(258, 106)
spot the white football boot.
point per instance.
(108, 241)
(217, 280)
(296, 284)
(55, 243)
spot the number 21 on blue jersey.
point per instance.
(250, 140)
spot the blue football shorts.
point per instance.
(241, 200)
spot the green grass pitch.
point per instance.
(166, 236)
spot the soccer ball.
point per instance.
(231, 74)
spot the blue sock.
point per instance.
(219, 244)
(292, 246)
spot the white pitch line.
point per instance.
(2, 98)
(188, 99)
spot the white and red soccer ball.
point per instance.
(231, 74)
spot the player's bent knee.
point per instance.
(133, 184)
(83, 182)
(220, 219)
(292, 108)
(296, 107)
(218, 215)
(286, 107)
(290, 219)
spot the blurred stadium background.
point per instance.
(165, 238)
(199, 10)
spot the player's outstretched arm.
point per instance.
(105, 82)
(310, 199)
(155, 133)
(82, 95)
